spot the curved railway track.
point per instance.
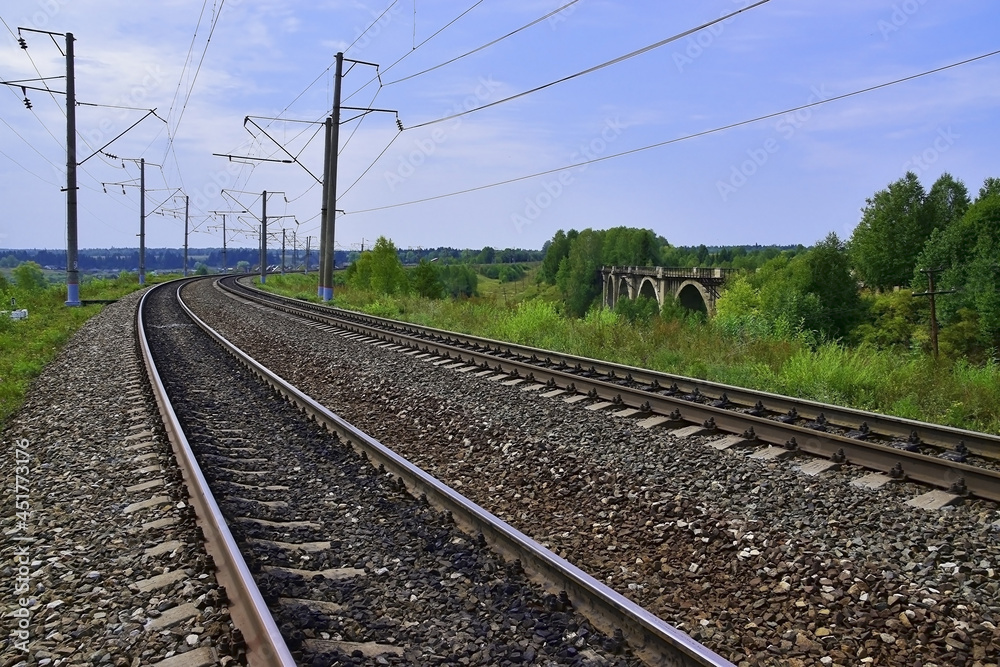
(319, 546)
(957, 461)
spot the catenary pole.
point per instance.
(142, 221)
(263, 239)
(72, 257)
(331, 206)
(186, 203)
(320, 285)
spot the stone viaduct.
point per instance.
(695, 289)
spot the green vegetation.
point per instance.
(27, 345)
(796, 321)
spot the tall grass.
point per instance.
(26, 346)
(909, 385)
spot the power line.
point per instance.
(480, 48)
(595, 68)
(362, 34)
(686, 137)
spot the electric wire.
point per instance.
(595, 68)
(686, 137)
(373, 24)
(391, 142)
(477, 49)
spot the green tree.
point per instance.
(558, 249)
(894, 226)
(577, 278)
(811, 295)
(200, 269)
(459, 280)
(242, 266)
(947, 201)
(426, 282)
(969, 253)
(487, 255)
(8, 262)
(380, 270)
(28, 276)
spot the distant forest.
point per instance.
(102, 260)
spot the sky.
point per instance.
(639, 142)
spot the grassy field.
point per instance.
(26, 346)
(908, 385)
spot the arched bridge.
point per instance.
(695, 289)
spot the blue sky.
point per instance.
(787, 179)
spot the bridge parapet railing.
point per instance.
(671, 272)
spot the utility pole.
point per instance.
(295, 252)
(282, 251)
(225, 265)
(263, 239)
(329, 230)
(142, 221)
(931, 293)
(307, 253)
(186, 203)
(323, 212)
(72, 258)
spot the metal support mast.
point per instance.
(263, 239)
(329, 229)
(72, 258)
(142, 221)
(186, 208)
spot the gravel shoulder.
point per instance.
(755, 560)
(104, 566)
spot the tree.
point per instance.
(426, 282)
(487, 255)
(558, 249)
(969, 253)
(29, 277)
(577, 277)
(459, 280)
(200, 269)
(894, 227)
(242, 266)
(380, 270)
(947, 201)
(811, 295)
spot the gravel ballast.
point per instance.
(757, 561)
(106, 566)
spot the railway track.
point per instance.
(957, 462)
(326, 554)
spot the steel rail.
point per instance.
(981, 444)
(651, 639)
(266, 647)
(917, 467)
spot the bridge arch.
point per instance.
(647, 288)
(610, 296)
(624, 290)
(692, 295)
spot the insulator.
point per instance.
(399, 124)
(24, 44)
